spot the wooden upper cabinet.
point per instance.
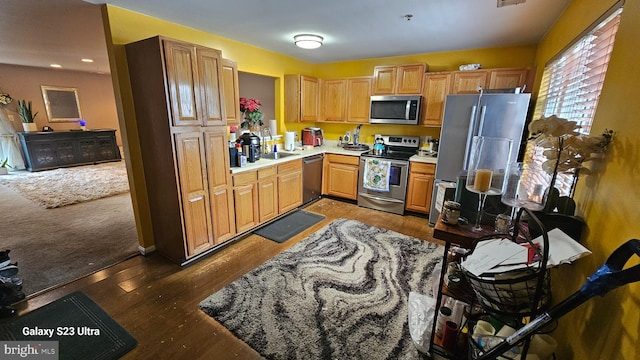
(334, 98)
(384, 80)
(400, 79)
(194, 81)
(359, 99)
(302, 98)
(230, 91)
(467, 82)
(309, 98)
(436, 88)
(209, 63)
(183, 83)
(508, 78)
(410, 79)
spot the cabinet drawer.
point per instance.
(290, 166)
(423, 168)
(244, 178)
(343, 159)
(266, 172)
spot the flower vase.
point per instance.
(83, 127)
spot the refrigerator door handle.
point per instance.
(483, 111)
(470, 133)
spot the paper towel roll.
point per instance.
(289, 140)
(273, 127)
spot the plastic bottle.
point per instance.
(242, 158)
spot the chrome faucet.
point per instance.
(356, 135)
(265, 146)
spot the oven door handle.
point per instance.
(380, 198)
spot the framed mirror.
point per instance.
(62, 103)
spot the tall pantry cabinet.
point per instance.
(178, 100)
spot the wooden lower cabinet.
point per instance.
(220, 186)
(341, 176)
(420, 187)
(261, 195)
(267, 194)
(245, 196)
(194, 191)
(289, 185)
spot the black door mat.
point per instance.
(287, 227)
(82, 329)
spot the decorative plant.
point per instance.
(25, 112)
(251, 112)
(566, 151)
(4, 167)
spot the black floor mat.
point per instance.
(82, 329)
(287, 227)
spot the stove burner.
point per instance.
(392, 154)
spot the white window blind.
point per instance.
(572, 81)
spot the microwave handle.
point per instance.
(407, 110)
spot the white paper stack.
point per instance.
(498, 256)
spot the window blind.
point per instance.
(572, 82)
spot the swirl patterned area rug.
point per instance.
(341, 293)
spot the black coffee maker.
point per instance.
(250, 146)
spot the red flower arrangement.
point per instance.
(251, 110)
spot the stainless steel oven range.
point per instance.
(382, 184)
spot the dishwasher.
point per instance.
(311, 178)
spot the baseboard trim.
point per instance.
(147, 250)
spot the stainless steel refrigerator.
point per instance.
(465, 116)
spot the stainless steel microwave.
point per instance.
(400, 110)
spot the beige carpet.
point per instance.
(55, 246)
(66, 186)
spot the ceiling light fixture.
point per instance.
(308, 41)
(502, 3)
(87, 60)
(56, 66)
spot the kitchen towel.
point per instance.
(376, 175)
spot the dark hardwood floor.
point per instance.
(157, 301)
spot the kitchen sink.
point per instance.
(276, 155)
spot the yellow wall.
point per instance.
(602, 328)
(124, 26)
(607, 327)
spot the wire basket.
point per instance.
(520, 292)
(512, 293)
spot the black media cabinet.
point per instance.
(50, 150)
